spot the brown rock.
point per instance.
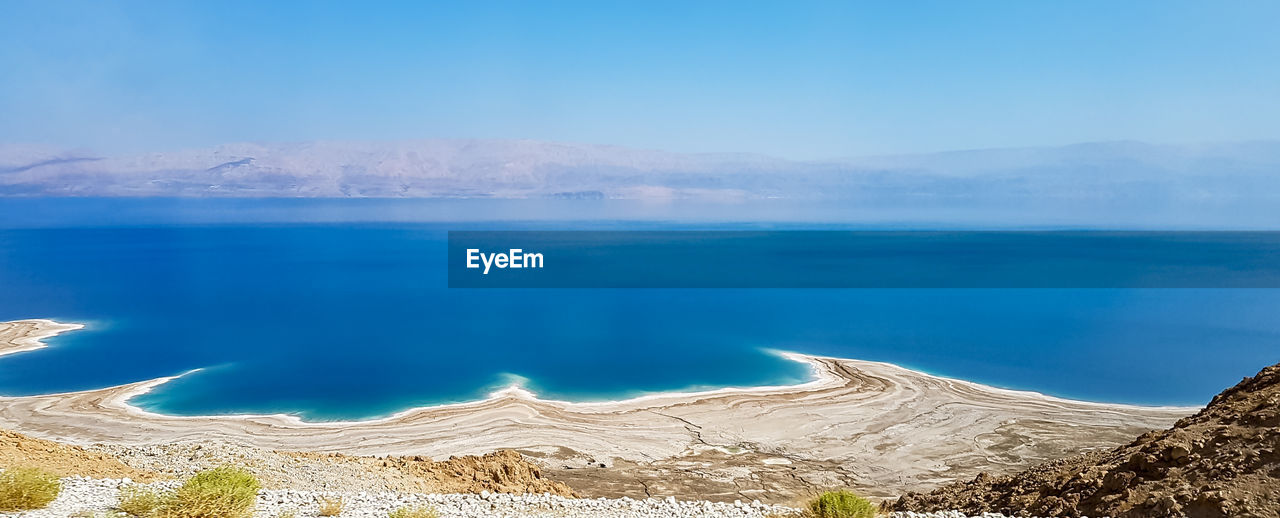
(1220, 462)
(503, 471)
(17, 450)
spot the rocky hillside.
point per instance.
(65, 460)
(1223, 461)
(502, 471)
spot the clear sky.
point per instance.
(792, 79)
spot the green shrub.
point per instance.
(140, 501)
(23, 489)
(414, 512)
(840, 504)
(224, 492)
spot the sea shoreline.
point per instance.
(835, 429)
(820, 377)
(28, 335)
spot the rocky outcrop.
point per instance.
(503, 471)
(1223, 461)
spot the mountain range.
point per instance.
(443, 168)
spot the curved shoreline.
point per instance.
(28, 335)
(854, 418)
(40, 329)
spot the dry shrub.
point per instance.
(414, 512)
(140, 501)
(225, 492)
(330, 506)
(840, 504)
(23, 489)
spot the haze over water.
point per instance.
(354, 320)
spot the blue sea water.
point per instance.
(354, 319)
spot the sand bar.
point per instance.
(28, 335)
(873, 426)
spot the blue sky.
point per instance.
(792, 79)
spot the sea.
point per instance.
(341, 310)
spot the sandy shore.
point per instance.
(875, 427)
(27, 335)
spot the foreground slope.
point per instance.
(17, 450)
(1223, 461)
(502, 471)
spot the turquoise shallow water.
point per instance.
(354, 320)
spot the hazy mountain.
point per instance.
(1113, 172)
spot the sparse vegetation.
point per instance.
(330, 506)
(140, 501)
(225, 492)
(839, 504)
(414, 512)
(23, 489)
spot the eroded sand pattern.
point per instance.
(875, 427)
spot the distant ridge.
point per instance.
(1132, 172)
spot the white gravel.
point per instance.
(91, 497)
(85, 496)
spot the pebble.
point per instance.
(82, 496)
